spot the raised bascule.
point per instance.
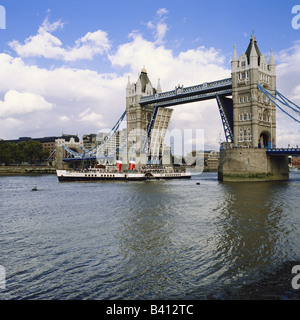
(247, 103)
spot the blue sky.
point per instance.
(67, 62)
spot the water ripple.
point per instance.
(149, 240)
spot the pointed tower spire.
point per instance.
(139, 86)
(272, 60)
(128, 87)
(235, 60)
(235, 56)
(128, 82)
(253, 49)
(272, 64)
(253, 53)
(158, 90)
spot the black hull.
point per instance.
(96, 179)
(170, 178)
(105, 179)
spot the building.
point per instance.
(254, 121)
(50, 144)
(254, 114)
(70, 142)
(294, 162)
(89, 141)
(212, 160)
(139, 120)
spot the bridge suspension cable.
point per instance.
(92, 152)
(118, 147)
(283, 100)
(72, 152)
(51, 155)
(107, 138)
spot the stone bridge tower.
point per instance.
(254, 114)
(139, 119)
(254, 121)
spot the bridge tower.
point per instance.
(254, 121)
(139, 119)
(254, 114)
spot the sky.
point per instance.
(64, 64)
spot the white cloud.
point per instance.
(46, 45)
(102, 96)
(159, 26)
(296, 93)
(161, 12)
(64, 118)
(71, 90)
(87, 101)
(16, 103)
(188, 68)
(88, 115)
(92, 117)
(288, 84)
(51, 27)
(288, 71)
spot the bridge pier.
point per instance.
(252, 164)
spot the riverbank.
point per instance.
(25, 170)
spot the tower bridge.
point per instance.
(183, 95)
(247, 104)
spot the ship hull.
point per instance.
(73, 176)
(66, 176)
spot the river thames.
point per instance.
(150, 240)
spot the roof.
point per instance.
(44, 139)
(249, 49)
(144, 80)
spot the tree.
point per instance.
(33, 151)
(6, 152)
(25, 151)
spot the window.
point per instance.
(245, 116)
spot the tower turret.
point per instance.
(235, 60)
(254, 115)
(272, 64)
(158, 89)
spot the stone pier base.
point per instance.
(241, 164)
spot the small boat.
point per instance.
(166, 173)
(34, 189)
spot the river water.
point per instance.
(149, 240)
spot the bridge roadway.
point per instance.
(181, 95)
(283, 151)
(205, 91)
(273, 152)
